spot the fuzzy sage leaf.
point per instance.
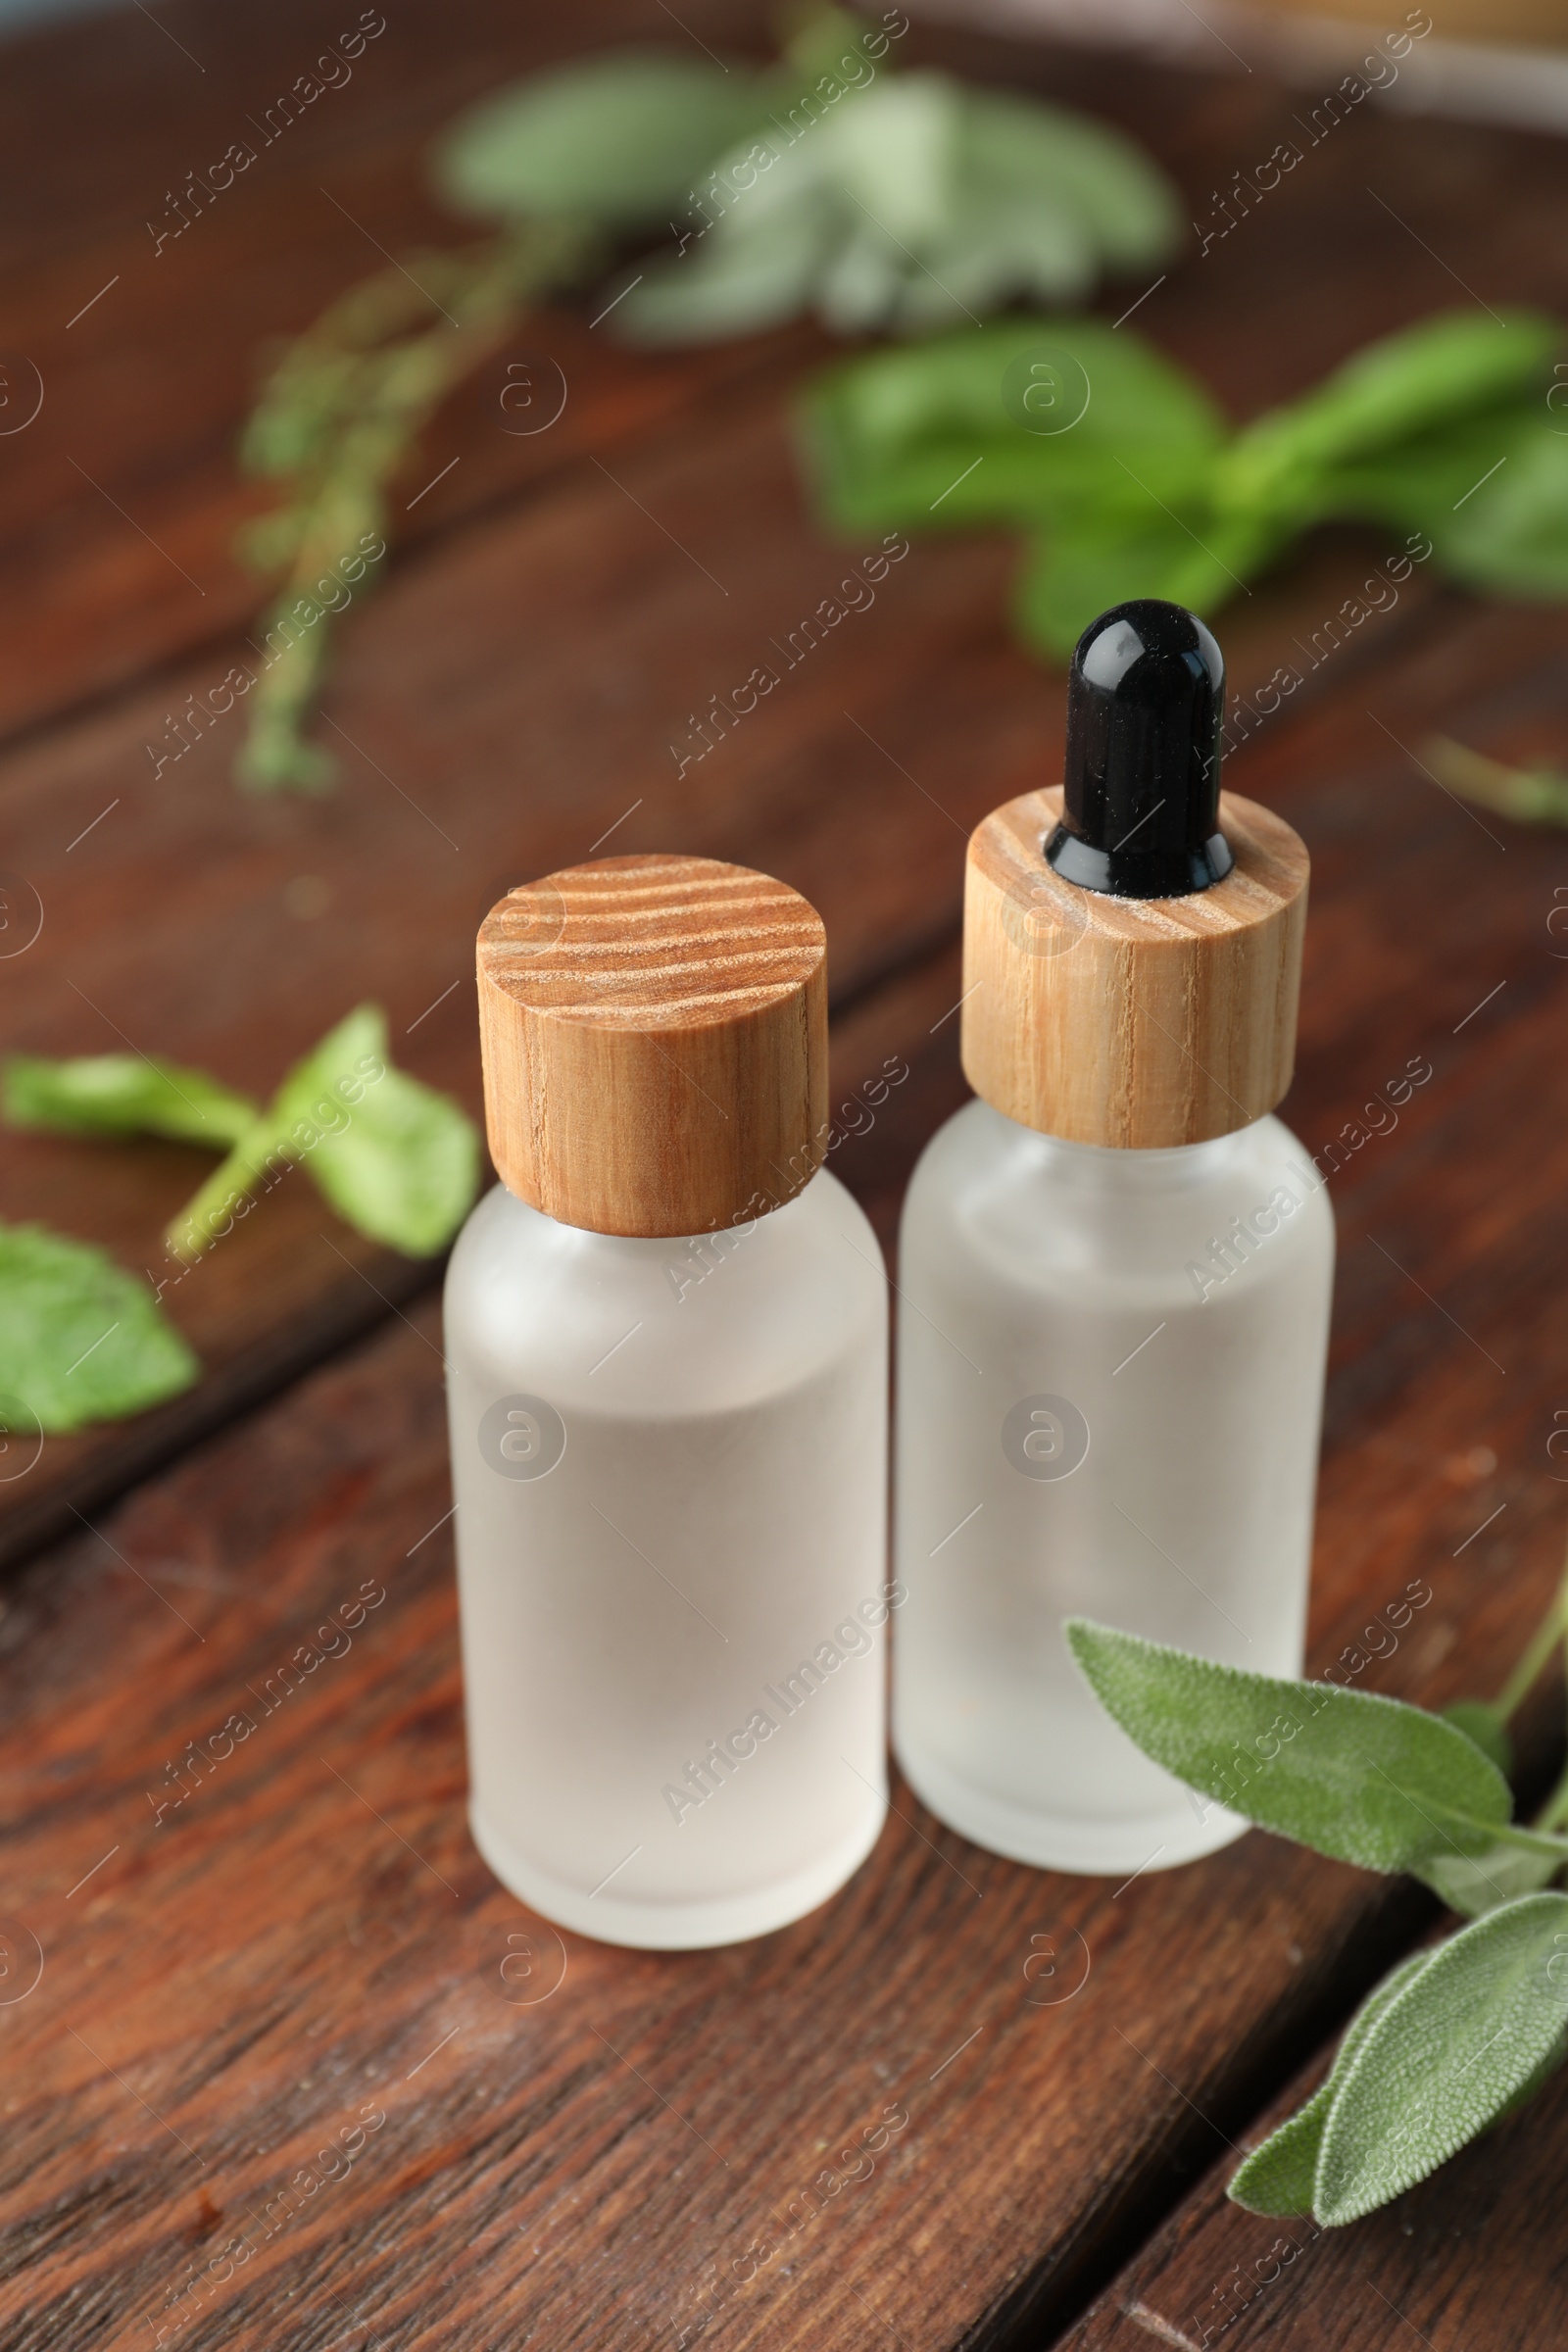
(1277, 2176)
(1449, 2054)
(1360, 1778)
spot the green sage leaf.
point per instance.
(1481, 1722)
(122, 1094)
(1447, 2056)
(1277, 2175)
(1361, 1778)
(81, 1339)
(1474, 1884)
(618, 140)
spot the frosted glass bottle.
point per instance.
(1115, 1274)
(666, 1348)
(669, 1466)
(1128, 1432)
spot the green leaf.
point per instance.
(906, 203)
(81, 1339)
(1447, 2056)
(1045, 158)
(1361, 1778)
(1436, 374)
(1474, 1884)
(122, 1094)
(397, 1159)
(1090, 561)
(404, 1166)
(936, 436)
(761, 274)
(1486, 1726)
(618, 140)
(1277, 2175)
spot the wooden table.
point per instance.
(598, 2148)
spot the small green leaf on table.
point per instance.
(120, 1094)
(397, 1159)
(81, 1339)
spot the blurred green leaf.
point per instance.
(1443, 430)
(617, 140)
(396, 1160)
(403, 1166)
(1398, 391)
(81, 1339)
(952, 432)
(1529, 796)
(909, 202)
(1474, 1884)
(122, 1094)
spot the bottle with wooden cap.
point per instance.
(1116, 1268)
(666, 1343)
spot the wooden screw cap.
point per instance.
(1135, 1022)
(655, 1040)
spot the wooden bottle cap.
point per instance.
(1135, 1022)
(654, 1041)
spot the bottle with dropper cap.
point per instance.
(1117, 1268)
(667, 1349)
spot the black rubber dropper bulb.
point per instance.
(1146, 701)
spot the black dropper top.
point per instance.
(1145, 704)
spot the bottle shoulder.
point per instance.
(992, 1193)
(608, 1317)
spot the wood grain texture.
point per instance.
(306, 1932)
(235, 1832)
(1471, 2258)
(654, 1032)
(1133, 1023)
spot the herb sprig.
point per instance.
(821, 182)
(1125, 479)
(398, 1161)
(1460, 2034)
